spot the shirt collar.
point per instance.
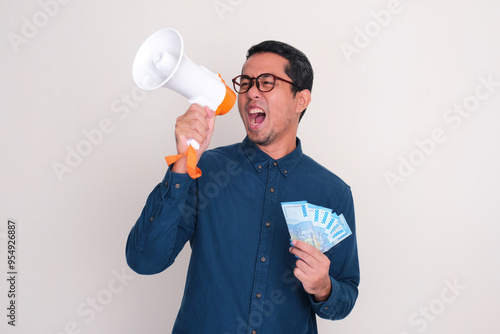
(260, 160)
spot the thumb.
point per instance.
(210, 119)
(211, 125)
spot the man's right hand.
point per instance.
(197, 123)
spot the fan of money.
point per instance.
(316, 225)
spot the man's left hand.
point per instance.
(312, 269)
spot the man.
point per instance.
(243, 276)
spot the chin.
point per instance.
(259, 140)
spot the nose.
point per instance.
(253, 92)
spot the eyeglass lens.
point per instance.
(265, 82)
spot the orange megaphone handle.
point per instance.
(193, 171)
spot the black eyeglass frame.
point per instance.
(236, 85)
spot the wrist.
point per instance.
(180, 166)
(324, 293)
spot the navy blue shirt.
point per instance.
(240, 277)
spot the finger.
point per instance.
(199, 128)
(309, 249)
(300, 275)
(185, 131)
(196, 107)
(303, 256)
(304, 267)
(210, 112)
(198, 113)
(304, 246)
(309, 263)
(193, 124)
(305, 251)
(311, 267)
(210, 119)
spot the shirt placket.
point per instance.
(258, 308)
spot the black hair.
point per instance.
(299, 68)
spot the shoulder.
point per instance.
(220, 156)
(321, 174)
(329, 190)
(222, 152)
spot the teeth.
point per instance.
(256, 111)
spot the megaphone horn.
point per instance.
(161, 62)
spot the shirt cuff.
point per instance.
(326, 307)
(175, 185)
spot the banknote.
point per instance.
(314, 224)
(299, 221)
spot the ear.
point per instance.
(303, 99)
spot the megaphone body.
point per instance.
(161, 62)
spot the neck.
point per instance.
(279, 149)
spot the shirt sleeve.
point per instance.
(166, 223)
(344, 270)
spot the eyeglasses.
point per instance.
(265, 82)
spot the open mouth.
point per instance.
(256, 116)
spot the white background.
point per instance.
(437, 225)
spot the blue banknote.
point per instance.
(316, 225)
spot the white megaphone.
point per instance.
(161, 62)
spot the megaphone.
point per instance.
(161, 62)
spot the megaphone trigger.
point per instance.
(193, 143)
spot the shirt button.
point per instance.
(285, 171)
(177, 186)
(166, 184)
(271, 190)
(262, 259)
(254, 331)
(258, 296)
(151, 218)
(260, 167)
(268, 224)
(326, 308)
(275, 163)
